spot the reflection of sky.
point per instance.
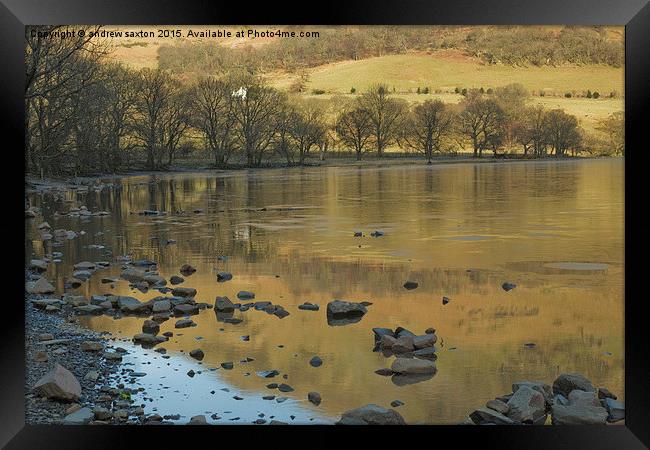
(174, 392)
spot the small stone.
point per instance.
(409, 285)
(396, 403)
(285, 388)
(197, 354)
(508, 286)
(227, 365)
(445, 300)
(316, 361)
(314, 397)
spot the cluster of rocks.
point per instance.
(69, 372)
(571, 400)
(405, 343)
(224, 308)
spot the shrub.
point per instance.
(596, 94)
(457, 90)
(568, 95)
(425, 90)
(490, 91)
(317, 91)
(464, 92)
(482, 91)
(418, 91)
(589, 93)
(353, 90)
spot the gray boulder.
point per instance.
(80, 417)
(615, 409)
(184, 292)
(578, 415)
(526, 404)
(568, 382)
(40, 286)
(583, 398)
(223, 304)
(426, 340)
(371, 415)
(487, 416)
(412, 366)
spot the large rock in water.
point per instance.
(412, 366)
(223, 304)
(59, 384)
(527, 404)
(487, 416)
(133, 275)
(568, 382)
(41, 286)
(578, 415)
(371, 415)
(341, 309)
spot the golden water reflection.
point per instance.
(288, 237)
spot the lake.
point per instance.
(554, 228)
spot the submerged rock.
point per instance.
(371, 415)
(410, 285)
(315, 362)
(245, 295)
(508, 286)
(308, 307)
(224, 276)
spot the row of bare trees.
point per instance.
(84, 115)
(482, 122)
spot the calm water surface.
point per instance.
(554, 228)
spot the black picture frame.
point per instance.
(633, 14)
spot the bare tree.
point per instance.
(386, 116)
(215, 117)
(154, 95)
(255, 109)
(482, 122)
(354, 128)
(427, 127)
(563, 132)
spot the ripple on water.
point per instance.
(577, 266)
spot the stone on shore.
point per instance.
(59, 384)
(380, 332)
(79, 417)
(568, 382)
(583, 398)
(161, 306)
(578, 415)
(539, 386)
(371, 415)
(131, 305)
(615, 409)
(487, 416)
(91, 346)
(498, 406)
(403, 344)
(526, 404)
(38, 265)
(40, 286)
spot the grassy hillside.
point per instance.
(445, 70)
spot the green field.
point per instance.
(447, 70)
